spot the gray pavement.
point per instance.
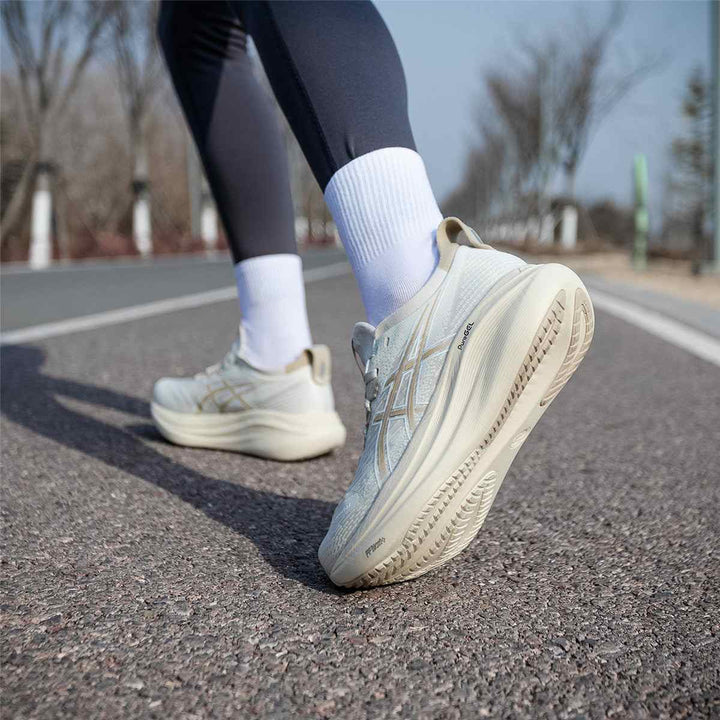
(142, 580)
(30, 298)
(704, 318)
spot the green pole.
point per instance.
(641, 213)
(715, 89)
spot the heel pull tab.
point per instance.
(450, 234)
(321, 363)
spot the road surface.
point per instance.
(143, 580)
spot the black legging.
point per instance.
(336, 74)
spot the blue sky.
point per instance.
(446, 44)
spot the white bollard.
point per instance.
(41, 241)
(568, 237)
(301, 229)
(141, 225)
(209, 225)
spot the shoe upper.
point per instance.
(234, 385)
(401, 361)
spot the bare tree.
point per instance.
(560, 95)
(544, 106)
(694, 163)
(50, 66)
(516, 102)
(481, 192)
(526, 104)
(14, 151)
(589, 92)
(139, 71)
(93, 154)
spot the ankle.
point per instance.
(274, 329)
(395, 277)
(386, 215)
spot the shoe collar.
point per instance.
(451, 234)
(237, 355)
(316, 357)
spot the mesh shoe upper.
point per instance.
(402, 362)
(234, 386)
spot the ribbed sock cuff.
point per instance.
(274, 324)
(386, 215)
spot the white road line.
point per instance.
(698, 343)
(693, 341)
(135, 312)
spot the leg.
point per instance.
(337, 75)
(271, 396)
(467, 356)
(236, 131)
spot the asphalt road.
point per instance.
(30, 298)
(145, 580)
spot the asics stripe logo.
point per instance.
(411, 410)
(232, 395)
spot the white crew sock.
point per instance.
(274, 328)
(386, 214)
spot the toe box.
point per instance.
(175, 394)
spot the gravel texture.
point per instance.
(142, 580)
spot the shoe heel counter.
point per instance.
(321, 374)
(320, 364)
(309, 381)
(326, 398)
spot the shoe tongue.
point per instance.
(237, 347)
(363, 338)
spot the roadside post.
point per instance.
(641, 214)
(714, 260)
(42, 215)
(208, 218)
(568, 235)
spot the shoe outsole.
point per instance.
(423, 548)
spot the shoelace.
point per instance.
(370, 377)
(372, 388)
(229, 360)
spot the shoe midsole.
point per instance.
(229, 422)
(267, 433)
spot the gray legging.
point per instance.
(336, 74)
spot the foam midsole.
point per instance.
(264, 432)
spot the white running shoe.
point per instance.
(285, 415)
(455, 381)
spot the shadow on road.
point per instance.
(286, 530)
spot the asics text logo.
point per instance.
(465, 335)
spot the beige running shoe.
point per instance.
(455, 381)
(285, 415)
